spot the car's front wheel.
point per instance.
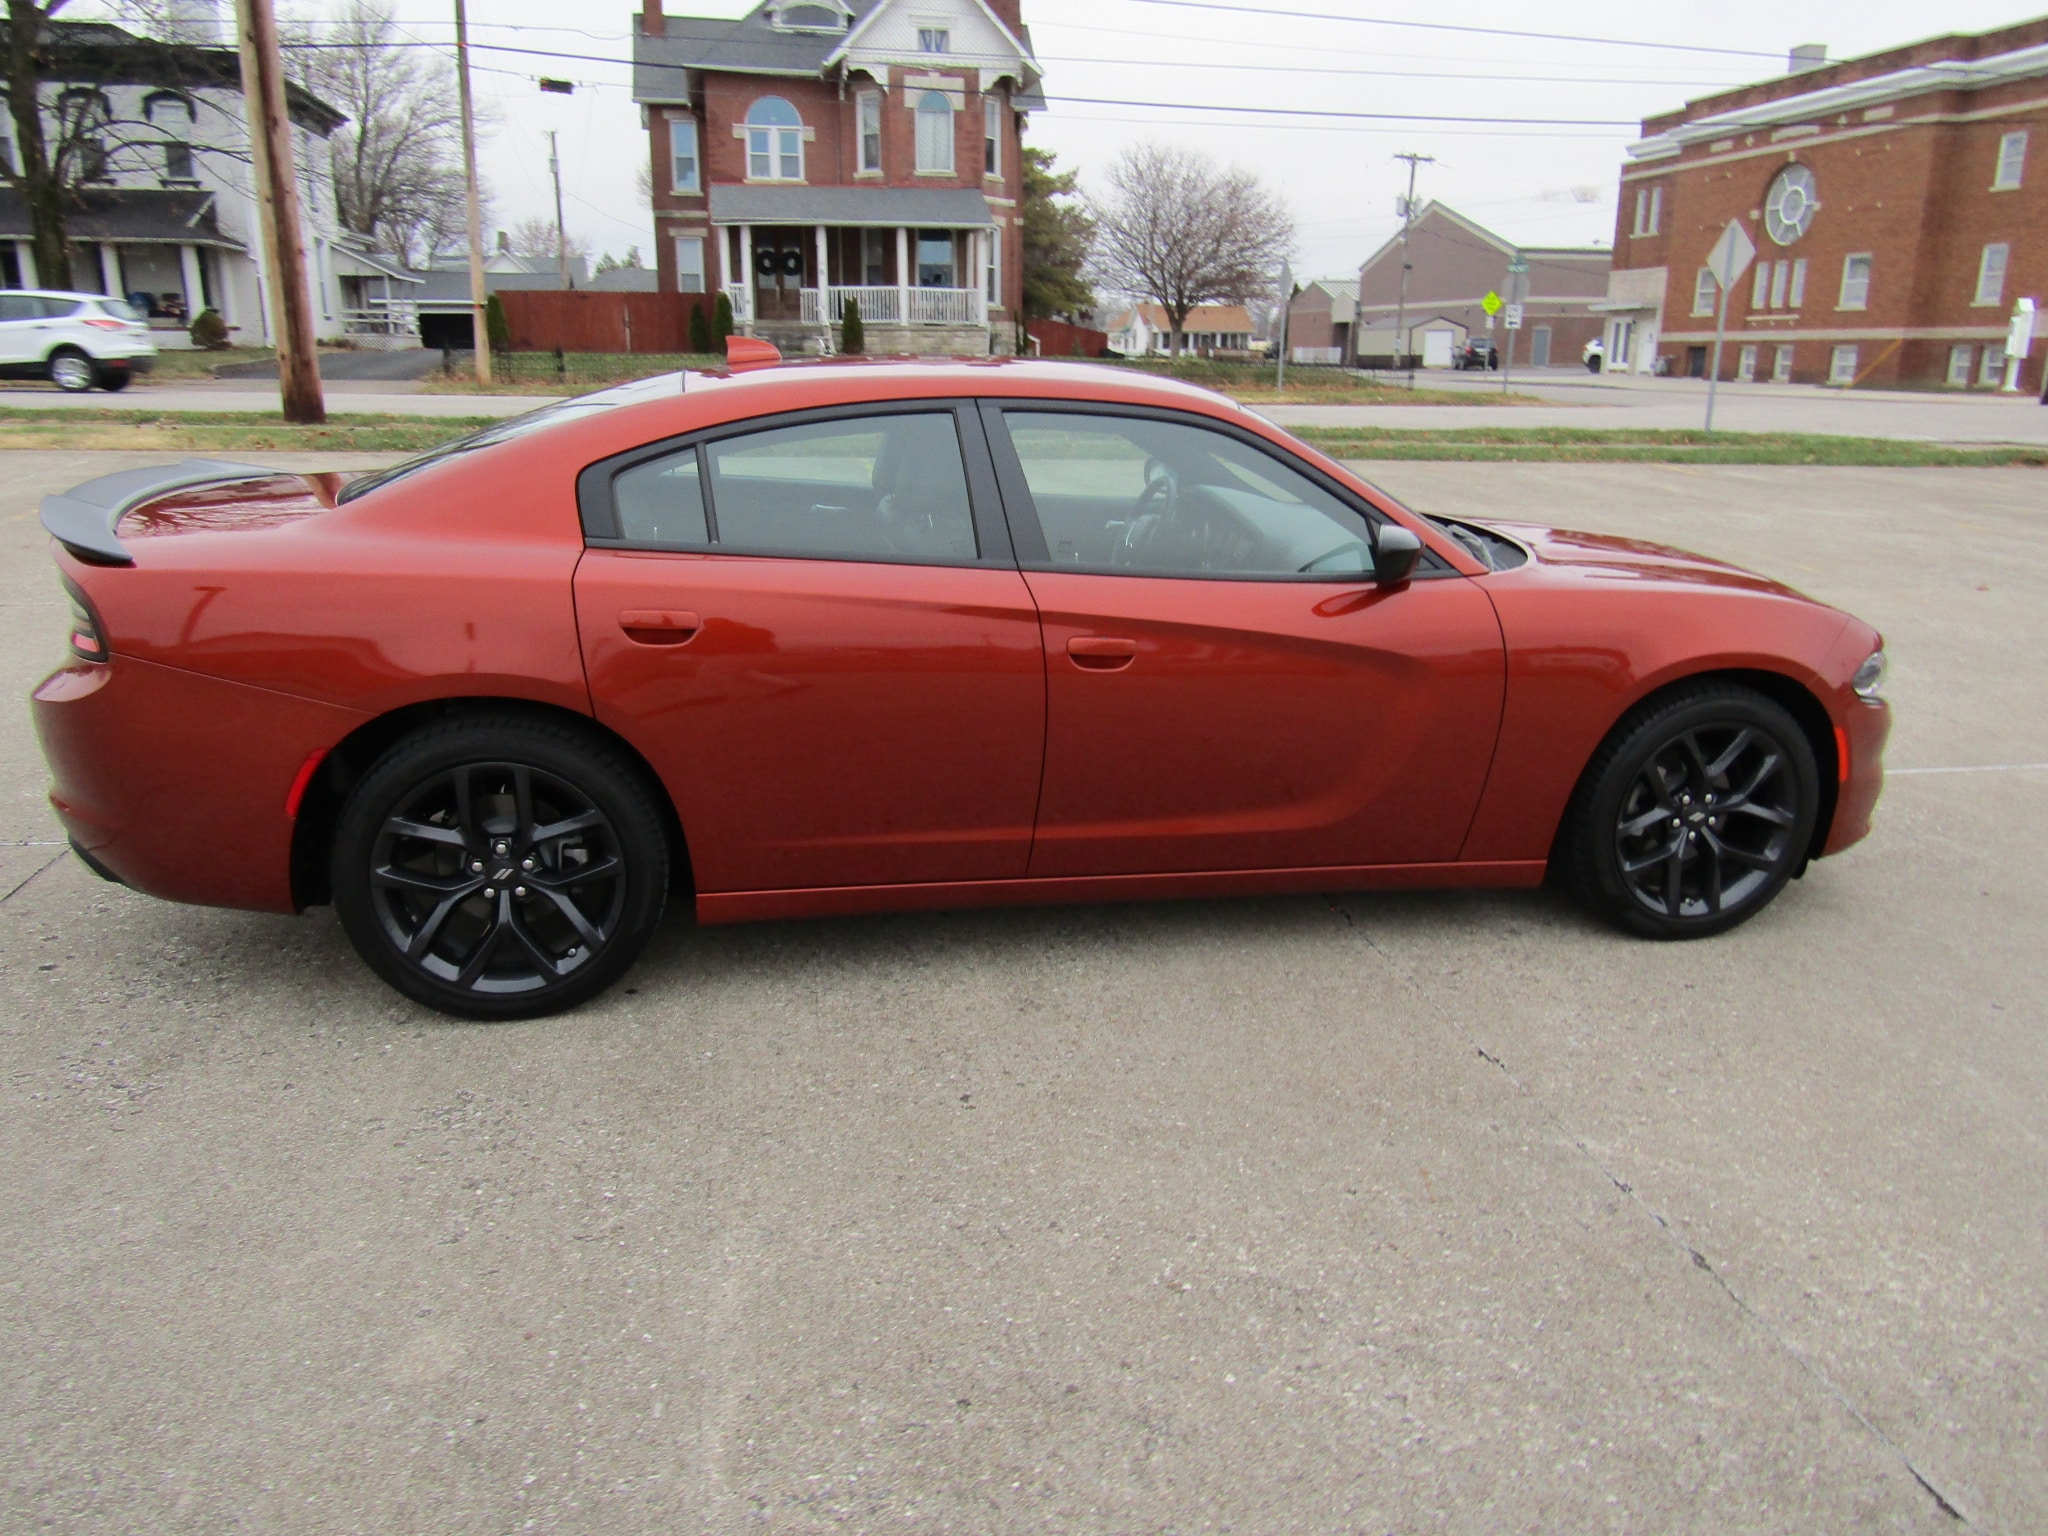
(71, 370)
(1694, 813)
(500, 868)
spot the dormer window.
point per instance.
(809, 16)
(168, 111)
(934, 40)
(775, 141)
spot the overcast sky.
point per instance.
(1535, 184)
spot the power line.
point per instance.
(1444, 26)
(1384, 117)
(1388, 74)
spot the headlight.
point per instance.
(1869, 679)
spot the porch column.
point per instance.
(110, 270)
(824, 278)
(979, 265)
(26, 255)
(902, 275)
(195, 285)
(746, 282)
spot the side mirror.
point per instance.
(1394, 553)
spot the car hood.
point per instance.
(1604, 556)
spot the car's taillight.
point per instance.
(88, 635)
(107, 325)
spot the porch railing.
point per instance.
(394, 317)
(885, 305)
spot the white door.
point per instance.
(1436, 349)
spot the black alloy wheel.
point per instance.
(500, 868)
(1695, 813)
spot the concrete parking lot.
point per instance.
(1363, 1214)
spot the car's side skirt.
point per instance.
(834, 901)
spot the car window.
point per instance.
(888, 487)
(120, 309)
(1139, 496)
(661, 503)
(57, 309)
(19, 306)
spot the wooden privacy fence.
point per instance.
(544, 319)
(1056, 338)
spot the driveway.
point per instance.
(1446, 1212)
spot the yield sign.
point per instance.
(1491, 303)
(1731, 255)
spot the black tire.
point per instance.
(1693, 814)
(500, 868)
(71, 370)
(113, 380)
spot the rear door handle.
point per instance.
(1101, 653)
(660, 626)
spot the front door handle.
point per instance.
(660, 626)
(1101, 653)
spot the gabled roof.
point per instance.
(1479, 232)
(1227, 318)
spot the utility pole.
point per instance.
(277, 201)
(561, 238)
(478, 297)
(1407, 220)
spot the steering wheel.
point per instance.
(1151, 514)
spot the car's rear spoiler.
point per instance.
(83, 519)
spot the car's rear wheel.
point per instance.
(71, 370)
(1694, 813)
(500, 868)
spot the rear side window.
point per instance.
(886, 487)
(120, 309)
(57, 309)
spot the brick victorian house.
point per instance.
(1898, 202)
(816, 151)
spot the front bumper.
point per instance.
(174, 783)
(1862, 728)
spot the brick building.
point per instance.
(819, 151)
(1453, 264)
(1897, 210)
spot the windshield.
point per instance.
(518, 426)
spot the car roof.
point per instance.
(62, 293)
(882, 378)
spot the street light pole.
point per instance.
(1407, 220)
(561, 236)
(479, 298)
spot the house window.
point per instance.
(167, 110)
(1781, 274)
(934, 132)
(178, 163)
(1855, 283)
(1760, 291)
(934, 40)
(82, 119)
(1703, 291)
(775, 141)
(935, 258)
(2012, 161)
(992, 135)
(874, 256)
(868, 105)
(682, 155)
(1649, 210)
(1796, 295)
(1991, 274)
(1745, 365)
(992, 242)
(1960, 357)
(1992, 371)
(6, 155)
(689, 264)
(1842, 366)
(1781, 366)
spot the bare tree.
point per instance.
(1180, 230)
(397, 162)
(536, 237)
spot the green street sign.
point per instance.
(1491, 303)
(1518, 266)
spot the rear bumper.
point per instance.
(1864, 725)
(141, 362)
(174, 783)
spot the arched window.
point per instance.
(82, 117)
(775, 141)
(167, 109)
(934, 132)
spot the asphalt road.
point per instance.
(1445, 1212)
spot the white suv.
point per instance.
(75, 340)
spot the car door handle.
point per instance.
(1101, 653)
(660, 626)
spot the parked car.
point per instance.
(78, 341)
(1479, 352)
(853, 637)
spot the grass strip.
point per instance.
(144, 431)
(1579, 445)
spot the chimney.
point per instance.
(504, 243)
(1807, 56)
(1010, 13)
(652, 22)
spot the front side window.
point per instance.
(1703, 290)
(775, 141)
(1134, 496)
(2012, 161)
(690, 264)
(934, 132)
(869, 106)
(1855, 283)
(683, 173)
(934, 40)
(1991, 274)
(991, 136)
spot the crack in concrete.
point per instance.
(1700, 1260)
(23, 884)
